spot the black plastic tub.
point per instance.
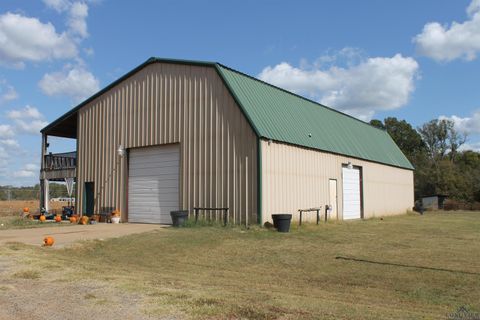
(179, 218)
(281, 222)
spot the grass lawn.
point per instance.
(24, 223)
(407, 267)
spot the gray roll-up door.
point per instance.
(153, 183)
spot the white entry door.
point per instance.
(351, 193)
(153, 183)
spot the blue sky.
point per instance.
(415, 60)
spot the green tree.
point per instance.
(406, 137)
(441, 137)
(377, 123)
(412, 145)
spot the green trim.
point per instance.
(237, 100)
(259, 181)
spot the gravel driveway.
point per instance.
(49, 295)
(66, 236)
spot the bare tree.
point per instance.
(441, 137)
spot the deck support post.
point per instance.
(42, 166)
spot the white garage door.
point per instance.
(153, 183)
(351, 193)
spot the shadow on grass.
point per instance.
(405, 265)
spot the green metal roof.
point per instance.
(280, 115)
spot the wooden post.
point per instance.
(42, 167)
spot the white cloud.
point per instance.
(27, 171)
(468, 125)
(24, 174)
(77, 13)
(450, 42)
(27, 120)
(77, 16)
(30, 127)
(28, 39)
(7, 92)
(26, 113)
(89, 51)
(6, 131)
(73, 81)
(360, 89)
(473, 8)
(32, 166)
(474, 146)
(57, 5)
(10, 143)
(7, 148)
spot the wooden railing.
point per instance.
(59, 161)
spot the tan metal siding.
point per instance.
(171, 103)
(294, 177)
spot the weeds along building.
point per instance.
(174, 134)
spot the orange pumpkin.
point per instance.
(73, 219)
(42, 218)
(48, 241)
(58, 218)
(84, 220)
(26, 209)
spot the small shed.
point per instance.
(434, 202)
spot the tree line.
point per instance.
(441, 166)
(57, 190)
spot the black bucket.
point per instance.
(179, 218)
(281, 222)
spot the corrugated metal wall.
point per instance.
(171, 103)
(296, 178)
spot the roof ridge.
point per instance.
(180, 61)
(299, 96)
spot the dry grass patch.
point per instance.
(27, 274)
(7, 223)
